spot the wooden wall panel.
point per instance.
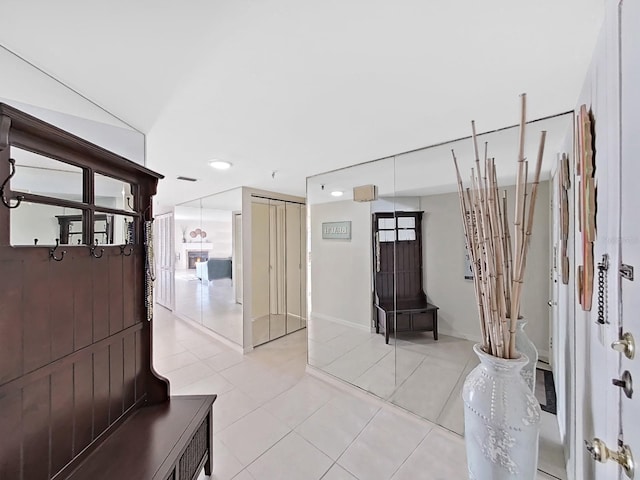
(61, 305)
(82, 303)
(10, 421)
(35, 430)
(10, 320)
(128, 291)
(115, 293)
(83, 404)
(115, 381)
(100, 391)
(100, 274)
(62, 422)
(129, 371)
(138, 286)
(36, 315)
(140, 381)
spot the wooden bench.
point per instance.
(79, 397)
(416, 315)
(171, 440)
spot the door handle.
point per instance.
(626, 345)
(626, 383)
(601, 453)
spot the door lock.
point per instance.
(601, 453)
(626, 383)
(626, 345)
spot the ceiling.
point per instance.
(297, 87)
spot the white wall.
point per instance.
(25, 87)
(341, 269)
(444, 255)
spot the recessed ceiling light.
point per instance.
(337, 193)
(220, 165)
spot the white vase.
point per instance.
(501, 420)
(526, 346)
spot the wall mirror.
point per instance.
(208, 263)
(408, 243)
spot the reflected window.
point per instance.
(39, 224)
(40, 175)
(113, 229)
(113, 193)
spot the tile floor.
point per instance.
(272, 420)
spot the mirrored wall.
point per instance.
(208, 263)
(392, 301)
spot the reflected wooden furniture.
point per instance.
(79, 397)
(400, 304)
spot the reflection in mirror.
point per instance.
(221, 225)
(342, 323)
(418, 370)
(112, 229)
(208, 263)
(39, 224)
(45, 176)
(188, 301)
(113, 193)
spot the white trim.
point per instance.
(216, 336)
(329, 318)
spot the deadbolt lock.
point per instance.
(601, 453)
(626, 345)
(625, 383)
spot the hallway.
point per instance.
(272, 420)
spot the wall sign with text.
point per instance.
(336, 230)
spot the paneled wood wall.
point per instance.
(71, 355)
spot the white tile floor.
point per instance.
(274, 421)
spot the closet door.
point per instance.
(278, 271)
(260, 271)
(293, 267)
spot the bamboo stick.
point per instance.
(466, 219)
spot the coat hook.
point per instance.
(19, 198)
(52, 252)
(93, 250)
(122, 248)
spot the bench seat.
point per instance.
(171, 440)
(406, 315)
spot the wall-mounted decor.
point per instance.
(336, 230)
(587, 203)
(564, 183)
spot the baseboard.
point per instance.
(542, 354)
(216, 336)
(329, 318)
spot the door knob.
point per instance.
(626, 345)
(601, 453)
(625, 382)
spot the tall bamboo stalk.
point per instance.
(498, 259)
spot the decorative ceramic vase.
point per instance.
(526, 346)
(501, 420)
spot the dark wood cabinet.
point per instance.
(400, 303)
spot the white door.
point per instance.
(630, 228)
(165, 260)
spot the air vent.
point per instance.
(187, 179)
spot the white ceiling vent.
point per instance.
(187, 179)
